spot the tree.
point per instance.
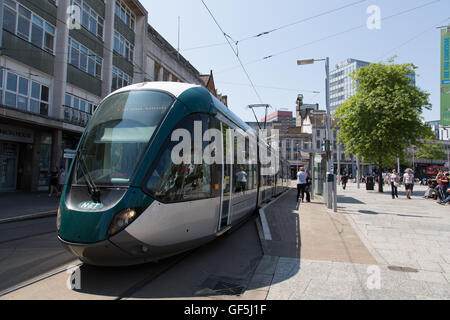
(431, 150)
(383, 117)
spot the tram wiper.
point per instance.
(94, 191)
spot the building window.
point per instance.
(90, 20)
(125, 14)
(120, 79)
(77, 111)
(22, 22)
(26, 95)
(123, 47)
(84, 59)
(79, 104)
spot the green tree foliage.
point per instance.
(430, 150)
(383, 117)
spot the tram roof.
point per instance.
(174, 88)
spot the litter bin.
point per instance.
(370, 183)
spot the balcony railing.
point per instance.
(76, 117)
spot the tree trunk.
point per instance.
(380, 179)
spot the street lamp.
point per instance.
(331, 193)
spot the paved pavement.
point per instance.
(18, 205)
(374, 247)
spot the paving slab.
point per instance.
(373, 248)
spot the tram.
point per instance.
(126, 201)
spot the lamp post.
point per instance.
(331, 193)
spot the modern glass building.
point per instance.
(341, 85)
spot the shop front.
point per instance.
(13, 141)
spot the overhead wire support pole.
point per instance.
(331, 199)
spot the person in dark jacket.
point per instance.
(54, 174)
(344, 180)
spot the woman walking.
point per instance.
(394, 181)
(408, 178)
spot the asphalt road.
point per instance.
(29, 249)
(222, 267)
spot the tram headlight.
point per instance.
(58, 219)
(122, 220)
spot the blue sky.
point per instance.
(411, 36)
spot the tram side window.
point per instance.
(170, 182)
(245, 174)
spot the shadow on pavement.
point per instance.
(344, 199)
(224, 266)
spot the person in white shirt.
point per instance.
(301, 183)
(408, 179)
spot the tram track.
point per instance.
(153, 276)
(125, 293)
(28, 217)
(37, 279)
(98, 282)
(27, 237)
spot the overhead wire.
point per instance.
(329, 36)
(280, 27)
(235, 51)
(268, 87)
(416, 36)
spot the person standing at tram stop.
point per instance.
(308, 186)
(394, 181)
(408, 179)
(301, 182)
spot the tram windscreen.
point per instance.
(118, 135)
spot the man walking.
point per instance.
(344, 180)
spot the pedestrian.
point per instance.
(446, 201)
(442, 180)
(62, 180)
(53, 181)
(394, 181)
(429, 192)
(344, 180)
(408, 179)
(241, 179)
(308, 186)
(301, 183)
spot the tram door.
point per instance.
(227, 181)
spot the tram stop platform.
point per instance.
(309, 252)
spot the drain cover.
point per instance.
(219, 286)
(402, 269)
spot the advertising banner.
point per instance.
(445, 77)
